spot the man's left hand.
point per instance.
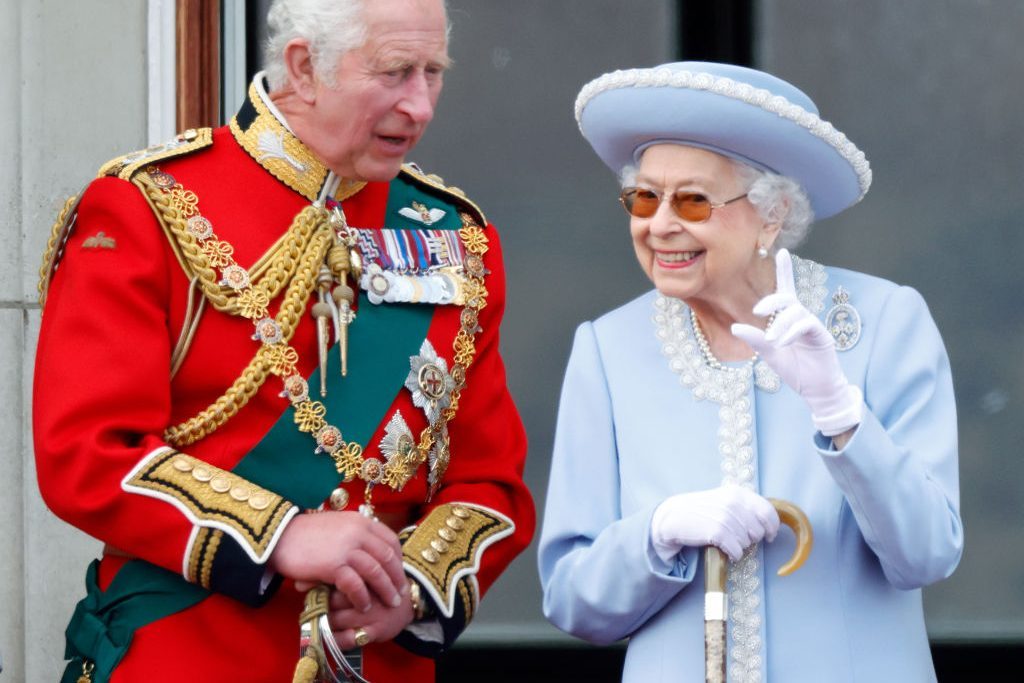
(380, 623)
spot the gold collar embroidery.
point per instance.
(269, 142)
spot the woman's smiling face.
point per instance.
(710, 260)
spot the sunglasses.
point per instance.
(690, 206)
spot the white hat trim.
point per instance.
(744, 92)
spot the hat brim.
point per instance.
(624, 113)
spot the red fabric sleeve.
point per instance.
(488, 442)
(102, 387)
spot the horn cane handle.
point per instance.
(795, 519)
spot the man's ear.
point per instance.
(298, 62)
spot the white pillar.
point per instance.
(75, 95)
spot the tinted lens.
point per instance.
(692, 207)
(639, 202)
(643, 203)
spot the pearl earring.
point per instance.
(762, 252)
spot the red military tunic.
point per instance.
(116, 367)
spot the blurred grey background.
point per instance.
(929, 89)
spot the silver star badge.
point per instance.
(398, 440)
(429, 382)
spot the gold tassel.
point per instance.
(323, 312)
(306, 670)
(342, 260)
(343, 298)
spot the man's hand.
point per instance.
(380, 623)
(358, 556)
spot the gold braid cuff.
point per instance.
(445, 550)
(213, 499)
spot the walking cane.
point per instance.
(715, 577)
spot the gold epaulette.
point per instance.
(123, 167)
(435, 184)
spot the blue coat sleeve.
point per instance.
(601, 577)
(899, 471)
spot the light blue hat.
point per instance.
(738, 112)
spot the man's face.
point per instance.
(385, 91)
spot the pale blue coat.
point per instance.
(885, 510)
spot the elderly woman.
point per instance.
(748, 372)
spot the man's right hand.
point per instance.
(352, 553)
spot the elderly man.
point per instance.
(250, 325)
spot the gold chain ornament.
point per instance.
(309, 243)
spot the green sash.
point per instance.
(381, 341)
(104, 622)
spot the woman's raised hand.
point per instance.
(798, 347)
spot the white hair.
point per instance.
(777, 198)
(330, 27)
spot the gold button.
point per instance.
(439, 545)
(240, 493)
(455, 523)
(460, 511)
(182, 465)
(447, 534)
(259, 501)
(202, 473)
(220, 484)
(339, 499)
(429, 555)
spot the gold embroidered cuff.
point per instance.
(212, 498)
(447, 546)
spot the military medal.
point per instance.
(415, 266)
(421, 214)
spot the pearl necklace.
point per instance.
(764, 377)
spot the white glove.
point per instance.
(729, 517)
(801, 350)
